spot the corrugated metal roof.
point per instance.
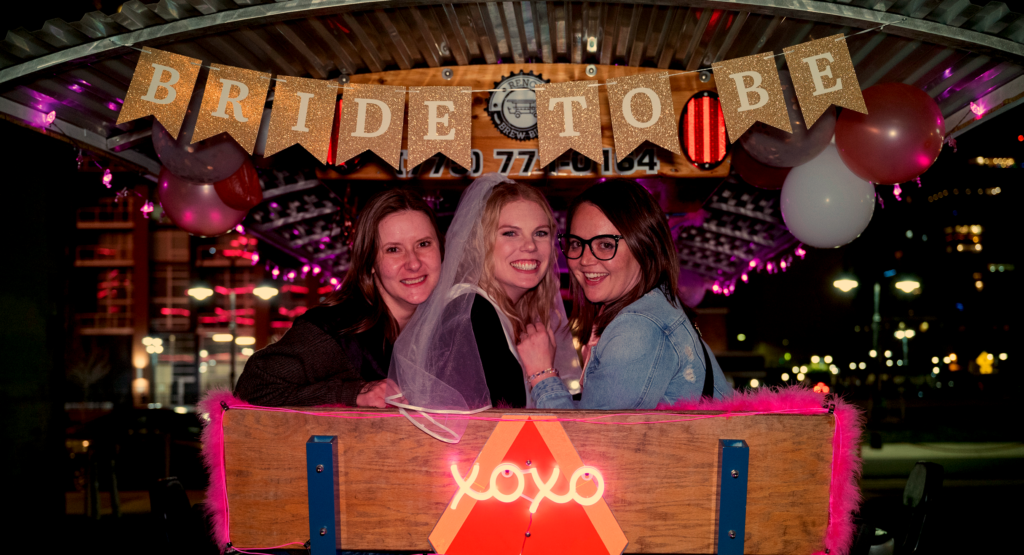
(956, 51)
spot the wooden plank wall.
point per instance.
(394, 480)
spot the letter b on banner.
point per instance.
(161, 87)
(750, 91)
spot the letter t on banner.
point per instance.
(823, 75)
(642, 110)
(440, 121)
(232, 102)
(569, 117)
(161, 87)
(303, 114)
(750, 91)
(371, 119)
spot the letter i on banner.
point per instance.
(161, 87)
(233, 103)
(569, 117)
(371, 119)
(823, 75)
(303, 113)
(440, 121)
(750, 91)
(642, 110)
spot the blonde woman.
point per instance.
(458, 354)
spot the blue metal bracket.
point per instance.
(734, 455)
(321, 452)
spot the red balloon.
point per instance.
(241, 190)
(897, 140)
(756, 173)
(196, 207)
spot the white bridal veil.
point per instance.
(436, 376)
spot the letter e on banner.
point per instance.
(161, 87)
(750, 91)
(233, 103)
(440, 122)
(303, 113)
(823, 75)
(569, 117)
(642, 110)
(371, 119)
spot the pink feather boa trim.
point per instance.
(844, 492)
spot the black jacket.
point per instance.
(315, 363)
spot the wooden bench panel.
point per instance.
(394, 481)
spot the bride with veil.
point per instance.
(458, 356)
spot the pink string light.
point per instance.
(146, 209)
(107, 177)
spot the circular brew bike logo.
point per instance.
(514, 112)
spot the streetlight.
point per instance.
(908, 285)
(265, 291)
(845, 284)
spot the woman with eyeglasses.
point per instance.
(640, 349)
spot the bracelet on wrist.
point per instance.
(542, 372)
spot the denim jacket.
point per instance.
(647, 355)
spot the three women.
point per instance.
(494, 332)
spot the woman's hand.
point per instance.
(372, 395)
(537, 350)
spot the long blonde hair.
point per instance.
(536, 304)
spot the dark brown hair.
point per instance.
(359, 281)
(642, 223)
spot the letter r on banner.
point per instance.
(244, 91)
(161, 87)
(236, 101)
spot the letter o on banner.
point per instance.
(702, 130)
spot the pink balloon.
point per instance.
(196, 207)
(691, 288)
(897, 140)
(209, 160)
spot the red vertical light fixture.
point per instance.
(702, 128)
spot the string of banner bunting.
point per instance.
(439, 117)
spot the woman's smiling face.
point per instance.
(602, 281)
(409, 262)
(522, 248)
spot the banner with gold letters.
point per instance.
(232, 102)
(440, 123)
(569, 117)
(161, 87)
(303, 113)
(642, 110)
(750, 91)
(372, 119)
(823, 75)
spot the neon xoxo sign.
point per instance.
(508, 470)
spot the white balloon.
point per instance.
(824, 204)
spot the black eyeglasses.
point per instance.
(603, 247)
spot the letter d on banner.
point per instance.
(161, 87)
(823, 75)
(371, 119)
(232, 102)
(750, 91)
(303, 114)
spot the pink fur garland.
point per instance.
(844, 491)
(213, 405)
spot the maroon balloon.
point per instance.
(208, 160)
(756, 173)
(196, 207)
(242, 190)
(775, 147)
(897, 140)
